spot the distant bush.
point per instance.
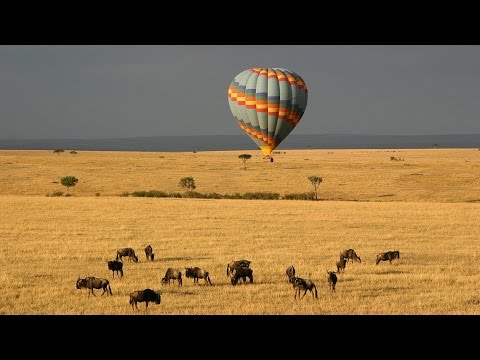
(300, 196)
(97, 194)
(69, 181)
(187, 183)
(233, 196)
(156, 193)
(193, 194)
(58, 151)
(214, 195)
(261, 196)
(57, 193)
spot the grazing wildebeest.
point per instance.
(303, 284)
(341, 264)
(235, 264)
(115, 265)
(197, 273)
(92, 282)
(389, 255)
(146, 296)
(127, 252)
(172, 274)
(149, 253)
(350, 254)
(242, 272)
(332, 279)
(290, 273)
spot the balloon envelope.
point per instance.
(267, 103)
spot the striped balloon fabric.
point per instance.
(267, 103)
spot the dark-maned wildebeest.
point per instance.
(146, 296)
(389, 255)
(242, 272)
(235, 264)
(117, 266)
(290, 273)
(92, 282)
(197, 273)
(172, 274)
(127, 252)
(332, 279)
(149, 253)
(350, 254)
(341, 264)
(303, 284)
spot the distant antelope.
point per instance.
(303, 284)
(350, 254)
(341, 264)
(332, 279)
(290, 273)
(389, 255)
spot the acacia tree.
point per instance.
(316, 181)
(244, 158)
(69, 181)
(187, 183)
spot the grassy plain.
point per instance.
(426, 206)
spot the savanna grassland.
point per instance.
(426, 204)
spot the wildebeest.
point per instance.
(149, 253)
(303, 284)
(197, 273)
(92, 282)
(290, 273)
(350, 254)
(242, 272)
(172, 274)
(146, 296)
(115, 265)
(341, 264)
(126, 252)
(389, 255)
(332, 279)
(235, 264)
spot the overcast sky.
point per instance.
(127, 91)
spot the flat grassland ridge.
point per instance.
(424, 203)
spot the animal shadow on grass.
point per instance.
(184, 258)
(388, 272)
(179, 292)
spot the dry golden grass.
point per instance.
(47, 242)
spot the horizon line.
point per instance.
(154, 136)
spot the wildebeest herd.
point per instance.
(237, 270)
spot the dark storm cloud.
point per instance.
(126, 91)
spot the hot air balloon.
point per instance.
(267, 103)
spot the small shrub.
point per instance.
(69, 181)
(233, 196)
(187, 183)
(125, 193)
(97, 194)
(214, 196)
(57, 193)
(261, 196)
(193, 194)
(300, 196)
